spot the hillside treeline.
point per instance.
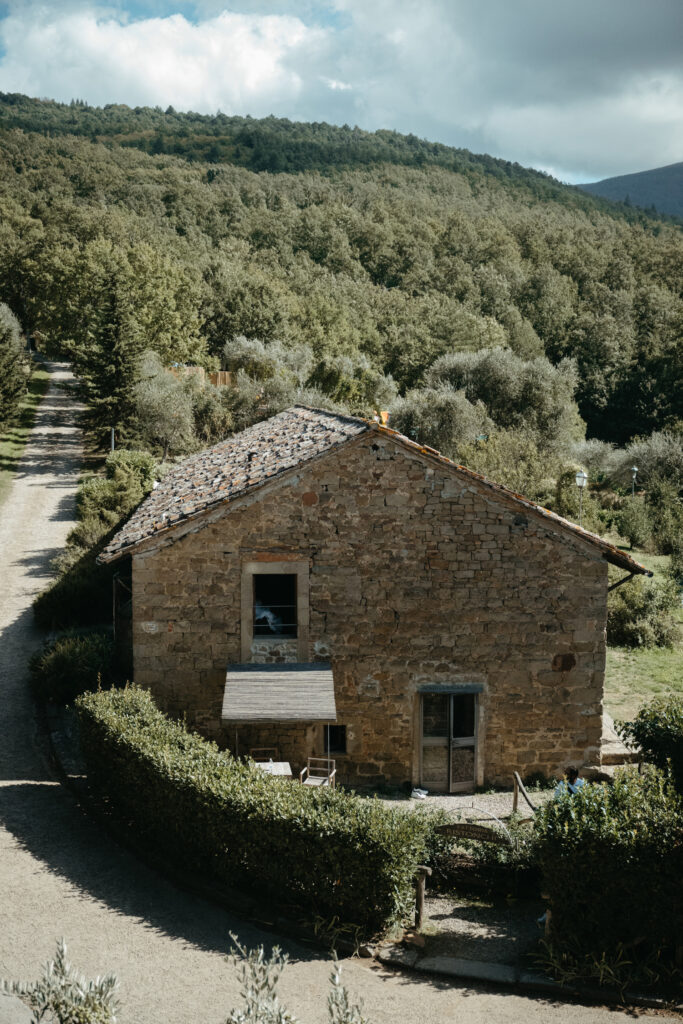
(274, 144)
(106, 252)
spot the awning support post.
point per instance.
(619, 582)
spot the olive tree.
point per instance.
(164, 407)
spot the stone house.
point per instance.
(324, 585)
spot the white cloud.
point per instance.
(334, 83)
(591, 89)
(237, 62)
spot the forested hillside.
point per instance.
(270, 144)
(660, 189)
(103, 247)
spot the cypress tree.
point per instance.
(14, 366)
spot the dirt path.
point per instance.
(60, 876)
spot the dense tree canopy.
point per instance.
(14, 369)
(399, 267)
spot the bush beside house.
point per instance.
(612, 860)
(658, 730)
(71, 664)
(328, 852)
(641, 614)
(81, 594)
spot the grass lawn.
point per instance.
(13, 438)
(635, 676)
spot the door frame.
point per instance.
(478, 690)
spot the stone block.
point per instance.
(396, 955)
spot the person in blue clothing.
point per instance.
(573, 783)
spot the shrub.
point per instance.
(676, 564)
(517, 393)
(14, 365)
(599, 458)
(72, 664)
(81, 595)
(659, 455)
(569, 503)
(665, 506)
(355, 382)
(633, 522)
(259, 976)
(62, 996)
(612, 858)
(252, 400)
(262, 361)
(658, 730)
(639, 614)
(513, 458)
(103, 501)
(330, 853)
(212, 418)
(163, 407)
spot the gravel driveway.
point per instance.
(60, 876)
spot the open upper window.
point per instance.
(275, 605)
(274, 609)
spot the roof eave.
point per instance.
(563, 527)
(106, 559)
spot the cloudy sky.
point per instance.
(585, 90)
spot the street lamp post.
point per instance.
(634, 474)
(581, 481)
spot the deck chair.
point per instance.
(319, 771)
(264, 754)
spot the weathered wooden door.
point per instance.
(435, 745)
(463, 741)
(448, 741)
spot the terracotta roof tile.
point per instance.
(274, 446)
(234, 466)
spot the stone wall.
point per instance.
(418, 577)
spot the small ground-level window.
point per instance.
(334, 739)
(275, 604)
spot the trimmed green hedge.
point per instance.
(330, 853)
(612, 861)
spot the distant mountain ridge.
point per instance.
(661, 188)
